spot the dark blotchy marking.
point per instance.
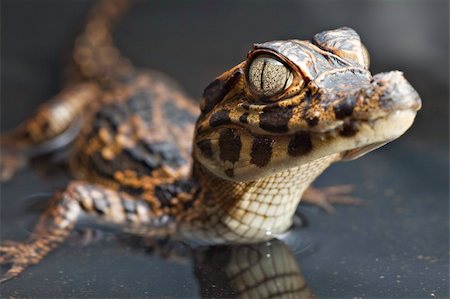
(46, 126)
(129, 205)
(312, 121)
(165, 193)
(275, 119)
(141, 104)
(143, 158)
(221, 117)
(216, 90)
(261, 151)
(127, 159)
(101, 166)
(166, 152)
(349, 130)
(205, 147)
(343, 109)
(300, 144)
(138, 159)
(244, 118)
(132, 190)
(245, 105)
(111, 116)
(230, 172)
(101, 205)
(230, 145)
(178, 115)
(213, 94)
(139, 101)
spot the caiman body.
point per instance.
(149, 161)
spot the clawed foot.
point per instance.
(20, 256)
(325, 198)
(90, 236)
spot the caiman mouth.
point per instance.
(375, 133)
(381, 113)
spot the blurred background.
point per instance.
(395, 247)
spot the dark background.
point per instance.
(395, 247)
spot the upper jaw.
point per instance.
(382, 112)
(394, 92)
(371, 99)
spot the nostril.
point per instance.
(395, 92)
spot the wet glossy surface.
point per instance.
(396, 246)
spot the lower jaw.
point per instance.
(361, 151)
(373, 134)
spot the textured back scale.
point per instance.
(140, 131)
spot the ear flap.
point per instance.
(344, 42)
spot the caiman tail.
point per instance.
(94, 56)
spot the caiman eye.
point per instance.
(268, 76)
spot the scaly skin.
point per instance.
(265, 130)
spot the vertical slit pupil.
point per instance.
(261, 85)
(268, 75)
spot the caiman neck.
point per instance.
(257, 210)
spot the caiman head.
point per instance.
(292, 102)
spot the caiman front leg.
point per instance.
(54, 124)
(54, 226)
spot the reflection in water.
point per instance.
(263, 270)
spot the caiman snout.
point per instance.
(355, 95)
(384, 94)
(395, 92)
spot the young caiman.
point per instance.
(148, 161)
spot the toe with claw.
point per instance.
(19, 256)
(325, 198)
